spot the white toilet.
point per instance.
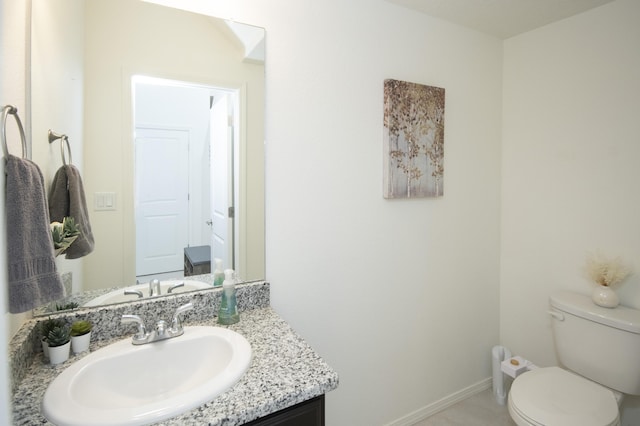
(601, 347)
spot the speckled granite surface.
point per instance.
(106, 319)
(284, 370)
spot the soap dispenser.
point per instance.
(218, 273)
(228, 313)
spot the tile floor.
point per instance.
(478, 410)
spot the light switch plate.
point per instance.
(104, 201)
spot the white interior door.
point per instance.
(161, 199)
(222, 181)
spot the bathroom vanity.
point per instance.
(284, 385)
(306, 413)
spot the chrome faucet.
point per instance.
(154, 287)
(160, 332)
(173, 287)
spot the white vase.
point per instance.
(80, 343)
(605, 296)
(59, 354)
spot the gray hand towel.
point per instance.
(67, 199)
(33, 278)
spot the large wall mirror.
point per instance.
(137, 88)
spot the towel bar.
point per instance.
(6, 110)
(64, 139)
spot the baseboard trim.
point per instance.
(446, 402)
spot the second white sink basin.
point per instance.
(123, 384)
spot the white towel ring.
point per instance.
(6, 110)
(64, 141)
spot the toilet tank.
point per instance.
(598, 343)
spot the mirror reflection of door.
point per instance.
(184, 190)
(162, 199)
(222, 215)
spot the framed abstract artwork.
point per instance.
(413, 140)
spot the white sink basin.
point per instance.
(118, 296)
(123, 384)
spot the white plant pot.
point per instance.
(59, 354)
(605, 296)
(80, 343)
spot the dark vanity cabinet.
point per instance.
(307, 413)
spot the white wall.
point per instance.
(13, 91)
(400, 297)
(571, 144)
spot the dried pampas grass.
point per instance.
(605, 271)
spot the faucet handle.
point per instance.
(177, 285)
(134, 293)
(135, 319)
(176, 324)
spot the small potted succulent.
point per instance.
(80, 336)
(45, 328)
(59, 340)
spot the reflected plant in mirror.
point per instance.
(64, 234)
(164, 110)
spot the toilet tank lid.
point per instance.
(621, 317)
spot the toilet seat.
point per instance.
(556, 397)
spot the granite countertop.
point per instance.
(284, 371)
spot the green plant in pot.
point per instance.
(48, 325)
(59, 339)
(80, 336)
(80, 328)
(58, 336)
(45, 327)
